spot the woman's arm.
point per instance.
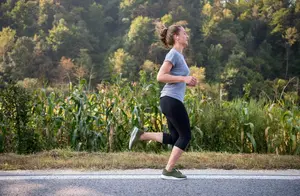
(165, 76)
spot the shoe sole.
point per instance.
(171, 178)
(132, 137)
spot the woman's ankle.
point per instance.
(169, 168)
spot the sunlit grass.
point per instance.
(66, 159)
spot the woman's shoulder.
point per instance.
(173, 53)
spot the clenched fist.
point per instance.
(190, 81)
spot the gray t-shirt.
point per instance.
(180, 68)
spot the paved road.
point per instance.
(148, 182)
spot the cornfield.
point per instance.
(101, 120)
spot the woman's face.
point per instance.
(182, 38)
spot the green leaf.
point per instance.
(250, 136)
(199, 131)
(251, 126)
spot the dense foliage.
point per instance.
(102, 120)
(245, 53)
(237, 42)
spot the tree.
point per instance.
(59, 35)
(22, 57)
(7, 39)
(291, 36)
(46, 14)
(214, 64)
(95, 19)
(67, 40)
(123, 63)
(139, 38)
(84, 63)
(24, 17)
(149, 67)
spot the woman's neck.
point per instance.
(179, 48)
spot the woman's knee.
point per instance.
(183, 142)
(174, 139)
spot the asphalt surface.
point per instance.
(148, 182)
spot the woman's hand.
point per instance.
(190, 81)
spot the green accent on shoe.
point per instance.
(134, 136)
(175, 174)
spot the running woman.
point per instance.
(175, 73)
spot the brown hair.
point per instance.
(166, 34)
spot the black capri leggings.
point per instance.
(178, 122)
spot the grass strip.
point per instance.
(66, 159)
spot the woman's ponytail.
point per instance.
(163, 36)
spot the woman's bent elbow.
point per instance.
(158, 78)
